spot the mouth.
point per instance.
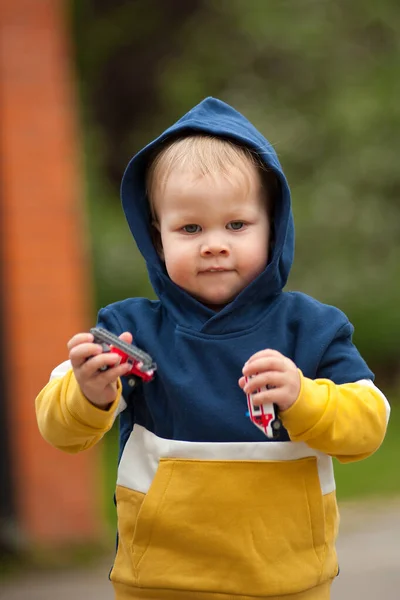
(216, 270)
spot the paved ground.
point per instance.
(369, 554)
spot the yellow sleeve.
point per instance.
(67, 420)
(347, 421)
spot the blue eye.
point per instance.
(192, 228)
(236, 225)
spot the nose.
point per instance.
(214, 247)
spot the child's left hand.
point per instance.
(273, 369)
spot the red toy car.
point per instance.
(141, 362)
(265, 417)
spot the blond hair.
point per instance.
(207, 155)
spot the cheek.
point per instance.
(254, 256)
(262, 244)
(177, 259)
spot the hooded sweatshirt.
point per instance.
(208, 507)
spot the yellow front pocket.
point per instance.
(250, 528)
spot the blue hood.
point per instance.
(212, 117)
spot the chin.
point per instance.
(218, 301)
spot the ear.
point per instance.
(156, 238)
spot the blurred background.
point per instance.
(84, 84)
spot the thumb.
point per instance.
(126, 337)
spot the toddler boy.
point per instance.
(208, 507)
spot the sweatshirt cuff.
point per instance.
(86, 413)
(309, 408)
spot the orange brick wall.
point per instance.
(45, 265)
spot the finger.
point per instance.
(265, 363)
(98, 363)
(272, 396)
(268, 352)
(112, 374)
(271, 378)
(126, 337)
(78, 355)
(79, 338)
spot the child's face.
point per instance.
(214, 232)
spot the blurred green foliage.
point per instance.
(320, 78)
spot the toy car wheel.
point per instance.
(132, 382)
(276, 426)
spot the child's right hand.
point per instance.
(87, 359)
